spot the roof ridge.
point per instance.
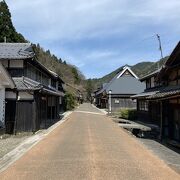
(125, 68)
(13, 43)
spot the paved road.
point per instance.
(88, 146)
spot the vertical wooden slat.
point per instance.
(34, 116)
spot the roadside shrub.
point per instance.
(70, 101)
(130, 114)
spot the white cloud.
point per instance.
(54, 19)
(67, 21)
(100, 54)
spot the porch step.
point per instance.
(135, 126)
(139, 129)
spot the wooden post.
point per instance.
(161, 120)
(34, 114)
(51, 109)
(46, 111)
(110, 108)
(16, 113)
(16, 118)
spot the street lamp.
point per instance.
(110, 109)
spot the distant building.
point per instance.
(33, 94)
(118, 91)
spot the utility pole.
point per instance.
(160, 47)
(110, 108)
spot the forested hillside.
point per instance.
(73, 78)
(69, 73)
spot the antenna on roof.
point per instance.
(5, 40)
(160, 47)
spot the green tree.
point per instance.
(76, 75)
(89, 89)
(70, 101)
(60, 60)
(6, 26)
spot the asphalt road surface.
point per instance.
(89, 146)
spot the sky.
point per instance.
(99, 36)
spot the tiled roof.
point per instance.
(123, 85)
(166, 92)
(144, 94)
(24, 84)
(52, 91)
(16, 51)
(53, 73)
(151, 74)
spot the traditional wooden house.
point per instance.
(116, 94)
(149, 111)
(37, 98)
(165, 100)
(169, 97)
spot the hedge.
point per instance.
(70, 101)
(130, 114)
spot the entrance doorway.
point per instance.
(10, 112)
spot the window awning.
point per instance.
(144, 94)
(167, 92)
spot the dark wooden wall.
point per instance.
(24, 113)
(122, 103)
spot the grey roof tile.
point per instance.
(123, 85)
(144, 94)
(16, 51)
(166, 92)
(25, 84)
(126, 85)
(151, 74)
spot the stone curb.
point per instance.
(103, 111)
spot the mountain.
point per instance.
(73, 78)
(140, 69)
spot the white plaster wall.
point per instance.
(16, 64)
(25, 96)
(10, 95)
(60, 100)
(2, 107)
(152, 82)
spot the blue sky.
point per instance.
(99, 36)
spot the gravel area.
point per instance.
(10, 142)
